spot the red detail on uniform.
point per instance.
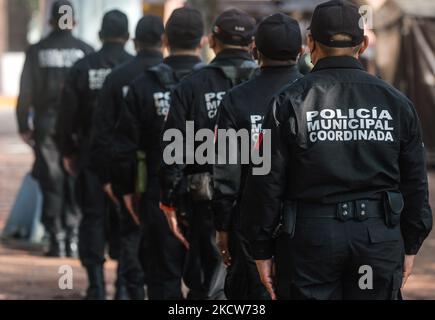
(215, 134)
(259, 143)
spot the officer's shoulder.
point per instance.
(89, 60)
(285, 95)
(83, 63)
(394, 91)
(200, 73)
(153, 72)
(240, 90)
(396, 94)
(33, 48)
(83, 45)
(40, 45)
(120, 70)
(192, 79)
(295, 87)
(142, 81)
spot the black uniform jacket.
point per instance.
(45, 69)
(340, 134)
(244, 108)
(110, 104)
(197, 98)
(141, 122)
(80, 97)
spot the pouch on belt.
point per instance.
(393, 206)
(200, 186)
(288, 222)
(142, 173)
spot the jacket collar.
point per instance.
(182, 61)
(339, 62)
(279, 69)
(60, 33)
(150, 54)
(113, 46)
(233, 54)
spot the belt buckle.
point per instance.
(344, 211)
(361, 210)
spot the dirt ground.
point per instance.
(25, 274)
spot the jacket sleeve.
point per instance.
(104, 122)
(68, 117)
(264, 194)
(227, 177)
(416, 219)
(26, 96)
(127, 142)
(171, 174)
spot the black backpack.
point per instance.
(169, 77)
(236, 74)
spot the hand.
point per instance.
(69, 163)
(109, 191)
(407, 269)
(266, 271)
(223, 245)
(27, 137)
(129, 204)
(171, 216)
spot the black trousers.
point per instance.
(105, 226)
(60, 213)
(161, 253)
(94, 205)
(130, 267)
(329, 259)
(205, 273)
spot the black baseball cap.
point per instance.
(149, 30)
(337, 17)
(115, 25)
(234, 27)
(279, 37)
(185, 28)
(57, 5)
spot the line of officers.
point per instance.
(95, 121)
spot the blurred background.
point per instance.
(402, 52)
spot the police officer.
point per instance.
(348, 179)
(139, 129)
(79, 100)
(45, 69)
(278, 44)
(148, 43)
(197, 99)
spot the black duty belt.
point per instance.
(357, 210)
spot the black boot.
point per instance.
(97, 287)
(56, 246)
(121, 292)
(136, 293)
(71, 244)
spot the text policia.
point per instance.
(352, 125)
